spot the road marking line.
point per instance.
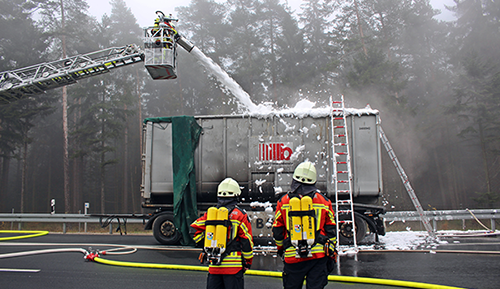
(20, 270)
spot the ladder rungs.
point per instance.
(344, 202)
(339, 131)
(343, 211)
(346, 221)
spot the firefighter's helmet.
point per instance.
(305, 173)
(228, 188)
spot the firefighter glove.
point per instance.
(321, 239)
(247, 264)
(280, 252)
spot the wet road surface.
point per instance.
(70, 270)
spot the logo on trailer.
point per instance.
(275, 151)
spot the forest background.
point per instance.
(436, 85)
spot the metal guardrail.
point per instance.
(435, 216)
(120, 219)
(446, 215)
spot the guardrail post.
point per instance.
(86, 206)
(493, 225)
(110, 228)
(12, 223)
(64, 228)
(434, 225)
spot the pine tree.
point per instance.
(477, 91)
(247, 61)
(18, 118)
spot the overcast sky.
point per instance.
(144, 11)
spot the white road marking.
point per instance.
(20, 270)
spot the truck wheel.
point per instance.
(164, 230)
(346, 233)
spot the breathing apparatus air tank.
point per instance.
(295, 221)
(306, 204)
(301, 218)
(221, 230)
(215, 234)
(210, 240)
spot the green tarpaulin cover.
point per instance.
(185, 136)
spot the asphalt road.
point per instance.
(71, 270)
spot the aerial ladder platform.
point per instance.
(159, 55)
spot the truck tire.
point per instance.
(345, 231)
(164, 230)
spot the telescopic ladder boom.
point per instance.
(36, 79)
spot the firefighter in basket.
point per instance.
(164, 30)
(304, 231)
(226, 234)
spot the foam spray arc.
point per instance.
(226, 80)
(245, 105)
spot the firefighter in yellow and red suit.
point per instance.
(314, 269)
(239, 253)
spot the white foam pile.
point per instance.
(408, 240)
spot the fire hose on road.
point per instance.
(122, 250)
(26, 234)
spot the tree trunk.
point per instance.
(484, 155)
(125, 166)
(360, 27)
(65, 123)
(102, 170)
(23, 171)
(4, 185)
(273, 61)
(139, 103)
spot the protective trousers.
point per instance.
(225, 281)
(314, 271)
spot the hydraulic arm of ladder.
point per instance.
(406, 183)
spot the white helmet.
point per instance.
(228, 188)
(305, 173)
